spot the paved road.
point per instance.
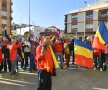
(67, 79)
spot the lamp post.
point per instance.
(29, 15)
(85, 22)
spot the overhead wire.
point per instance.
(21, 10)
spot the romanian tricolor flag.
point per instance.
(101, 37)
(83, 54)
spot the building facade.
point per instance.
(5, 15)
(84, 22)
(34, 30)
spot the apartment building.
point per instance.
(85, 21)
(5, 16)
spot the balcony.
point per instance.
(89, 20)
(11, 18)
(74, 22)
(65, 20)
(11, 10)
(11, 2)
(89, 30)
(74, 31)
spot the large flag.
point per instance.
(101, 37)
(83, 54)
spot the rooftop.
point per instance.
(93, 6)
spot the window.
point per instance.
(89, 14)
(74, 17)
(4, 5)
(103, 14)
(4, 13)
(4, 21)
(74, 27)
(89, 26)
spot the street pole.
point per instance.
(84, 26)
(85, 22)
(29, 15)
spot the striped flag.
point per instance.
(101, 37)
(83, 54)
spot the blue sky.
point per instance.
(45, 13)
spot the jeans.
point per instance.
(60, 55)
(6, 62)
(96, 61)
(32, 61)
(73, 57)
(13, 67)
(26, 55)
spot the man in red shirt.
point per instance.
(13, 53)
(44, 64)
(58, 46)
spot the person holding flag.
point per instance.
(99, 41)
(46, 62)
(83, 54)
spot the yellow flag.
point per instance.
(54, 58)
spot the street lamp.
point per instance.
(29, 15)
(85, 22)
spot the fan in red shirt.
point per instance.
(13, 53)
(44, 64)
(58, 46)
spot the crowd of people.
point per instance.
(31, 54)
(14, 50)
